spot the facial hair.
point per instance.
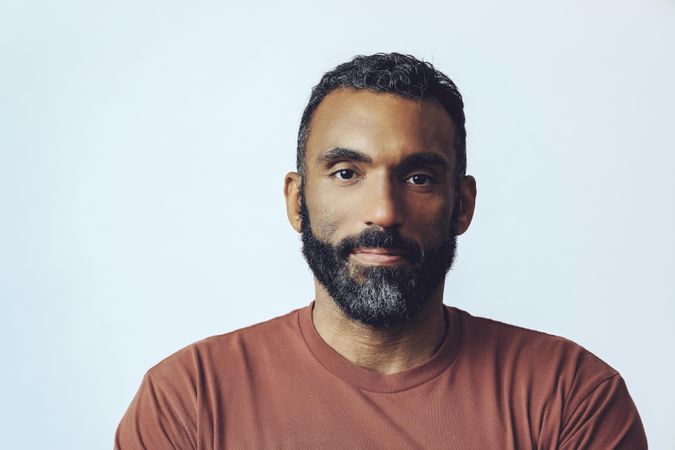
(378, 296)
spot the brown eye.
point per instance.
(419, 180)
(344, 174)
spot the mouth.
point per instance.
(378, 256)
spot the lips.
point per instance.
(378, 255)
(378, 251)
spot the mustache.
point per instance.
(375, 237)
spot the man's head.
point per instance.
(402, 75)
(380, 194)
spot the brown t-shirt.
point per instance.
(279, 385)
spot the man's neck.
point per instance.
(386, 350)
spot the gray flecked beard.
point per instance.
(378, 296)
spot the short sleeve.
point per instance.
(158, 418)
(603, 418)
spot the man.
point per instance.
(377, 360)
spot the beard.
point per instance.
(378, 296)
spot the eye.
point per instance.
(419, 179)
(344, 174)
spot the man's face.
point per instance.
(377, 202)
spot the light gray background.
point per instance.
(143, 146)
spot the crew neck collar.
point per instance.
(371, 380)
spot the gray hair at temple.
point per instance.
(393, 73)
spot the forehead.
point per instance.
(381, 123)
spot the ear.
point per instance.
(292, 184)
(467, 203)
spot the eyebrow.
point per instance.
(425, 159)
(342, 154)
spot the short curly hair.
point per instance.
(394, 73)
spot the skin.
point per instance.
(382, 181)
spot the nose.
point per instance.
(382, 203)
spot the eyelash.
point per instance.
(335, 174)
(429, 179)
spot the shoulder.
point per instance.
(180, 390)
(532, 356)
(585, 400)
(263, 341)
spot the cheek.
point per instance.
(431, 220)
(327, 216)
(324, 227)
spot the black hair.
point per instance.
(394, 73)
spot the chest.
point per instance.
(328, 413)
